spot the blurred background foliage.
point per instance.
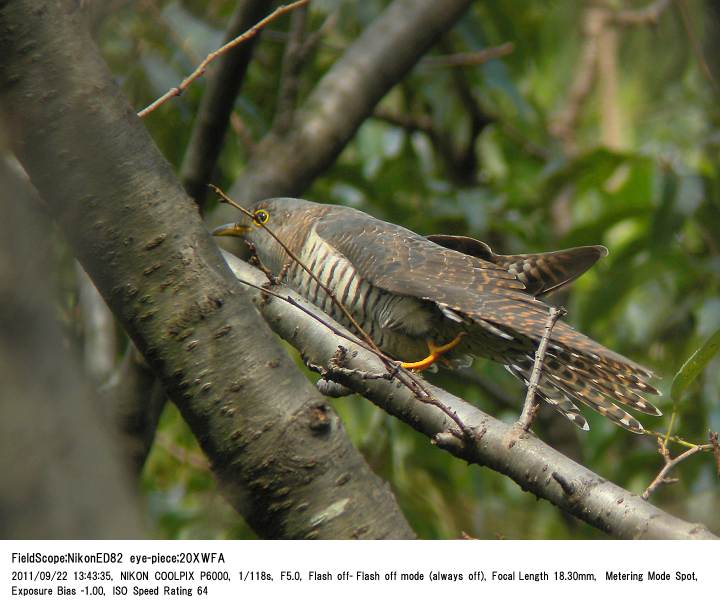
(516, 153)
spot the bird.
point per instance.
(445, 299)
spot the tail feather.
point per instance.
(552, 397)
(599, 402)
(578, 378)
(578, 374)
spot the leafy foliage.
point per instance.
(653, 198)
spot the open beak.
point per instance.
(231, 230)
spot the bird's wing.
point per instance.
(541, 273)
(401, 262)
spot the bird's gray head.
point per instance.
(284, 217)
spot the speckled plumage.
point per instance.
(404, 289)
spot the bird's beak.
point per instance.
(231, 230)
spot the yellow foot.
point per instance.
(435, 353)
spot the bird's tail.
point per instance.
(597, 378)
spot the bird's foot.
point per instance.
(435, 352)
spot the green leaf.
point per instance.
(694, 366)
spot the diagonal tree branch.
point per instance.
(280, 453)
(222, 88)
(535, 466)
(286, 164)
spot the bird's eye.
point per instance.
(260, 217)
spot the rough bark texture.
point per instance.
(60, 469)
(534, 465)
(284, 165)
(279, 451)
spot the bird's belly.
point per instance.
(398, 325)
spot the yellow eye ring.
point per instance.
(260, 217)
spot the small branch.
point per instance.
(642, 16)
(716, 450)
(530, 407)
(200, 70)
(194, 459)
(473, 58)
(662, 478)
(696, 47)
(315, 38)
(422, 122)
(564, 123)
(134, 400)
(290, 76)
(462, 159)
(210, 124)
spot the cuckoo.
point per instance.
(447, 299)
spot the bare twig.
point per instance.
(530, 408)
(216, 109)
(315, 38)
(184, 455)
(696, 47)
(420, 122)
(290, 75)
(675, 439)
(716, 450)
(563, 124)
(473, 58)
(642, 16)
(200, 70)
(670, 462)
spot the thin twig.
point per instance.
(675, 439)
(200, 70)
(564, 122)
(473, 58)
(662, 478)
(716, 450)
(696, 47)
(290, 73)
(642, 16)
(530, 408)
(180, 453)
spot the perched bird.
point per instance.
(447, 298)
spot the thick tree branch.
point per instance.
(221, 90)
(60, 469)
(536, 467)
(345, 97)
(279, 451)
(293, 59)
(135, 399)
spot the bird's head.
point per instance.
(283, 218)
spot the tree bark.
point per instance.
(534, 465)
(60, 469)
(280, 453)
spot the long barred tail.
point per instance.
(598, 380)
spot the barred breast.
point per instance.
(397, 324)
